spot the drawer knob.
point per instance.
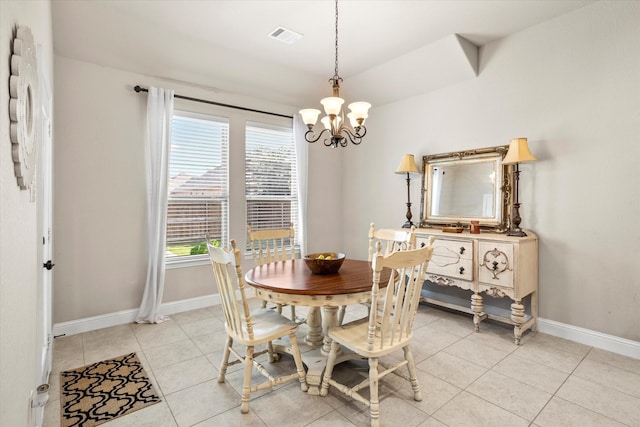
(495, 265)
(461, 250)
(461, 270)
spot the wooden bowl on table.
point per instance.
(324, 262)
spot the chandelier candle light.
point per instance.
(518, 153)
(408, 166)
(336, 130)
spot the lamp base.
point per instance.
(408, 224)
(515, 229)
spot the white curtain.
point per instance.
(158, 142)
(302, 159)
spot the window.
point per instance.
(270, 177)
(198, 196)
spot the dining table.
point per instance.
(292, 282)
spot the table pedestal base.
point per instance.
(314, 357)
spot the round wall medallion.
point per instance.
(23, 105)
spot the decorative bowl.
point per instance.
(324, 262)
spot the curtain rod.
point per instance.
(139, 88)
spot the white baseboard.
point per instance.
(562, 330)
(574, 333)
(128, 316)
(591, 338)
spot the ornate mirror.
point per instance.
(23, 106)
(465, 186)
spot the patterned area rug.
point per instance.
(95, 394)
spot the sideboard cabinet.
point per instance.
(487, 264)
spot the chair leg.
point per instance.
(225, 360)
(328, 370)
(411, 366)
(293, 313)
(246, 383)
(264, 303)
(374, 403)
(302, 375)
(273, 356)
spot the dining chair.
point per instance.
(385, 330)
(392, 240)
(271, 245)
(250, 328)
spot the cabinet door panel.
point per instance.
(495, 263)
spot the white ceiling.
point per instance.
(223, 45)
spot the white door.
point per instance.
(43, 188)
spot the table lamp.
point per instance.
(408, 166)
(518, 153)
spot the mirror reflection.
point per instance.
(466, 190)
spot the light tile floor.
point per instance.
(467, 378)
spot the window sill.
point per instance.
(186, 261)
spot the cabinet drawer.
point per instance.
(452, 258)
(495, 263)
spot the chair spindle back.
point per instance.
(392, 240)
(271, 245)
(227, 268)
(393, 321)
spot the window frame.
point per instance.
(237, 221)
(293, 197)
(201, 259)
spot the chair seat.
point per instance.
(353, 335)
(267, 326)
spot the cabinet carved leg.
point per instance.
(476, 307)
(517, 317)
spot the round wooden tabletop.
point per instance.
(294, 277)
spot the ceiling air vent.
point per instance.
(284, 35)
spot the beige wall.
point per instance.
(572, 86)
(100, 191)
(19, 240)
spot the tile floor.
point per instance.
(467, 378)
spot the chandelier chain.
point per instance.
(336, 76)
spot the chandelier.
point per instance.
(336, 131)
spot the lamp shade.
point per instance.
(326, 122)
(332, 105)
(309, 116)
(407, 165)
(518, 152)
(360, 109)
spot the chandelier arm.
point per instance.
(308, 135)
(358, 132)
(354, 137)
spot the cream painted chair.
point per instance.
(386, 330)
(271, 245)
(250, 328)
(392, 240)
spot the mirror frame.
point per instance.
(500, 222)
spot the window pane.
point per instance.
(270, 174)
(198, 183)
